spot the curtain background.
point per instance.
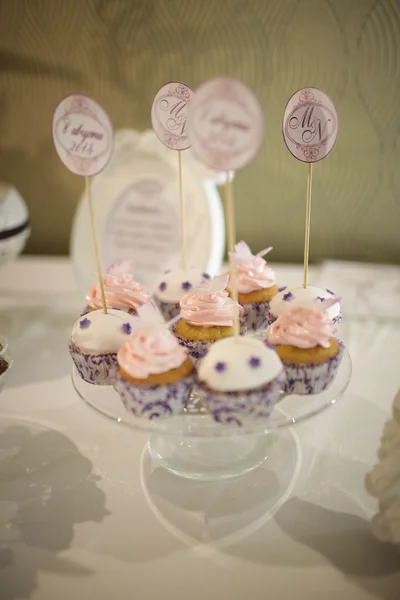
(122, 51)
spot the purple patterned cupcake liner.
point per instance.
(169, 310)
(256, 315)
(199, 348)
(237, 408)
(154, 402)
(305, 379)
(97, 369)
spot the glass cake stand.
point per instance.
(194, 446)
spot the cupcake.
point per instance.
(95, 341)
(256, 284)
(240, 380)
(173, 286)
(304, 339)
(155, 376)
(206, 316)
(122, 292)
(301, 296)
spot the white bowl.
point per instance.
(3, 376)
(4, 344)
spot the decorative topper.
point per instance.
(213, 285)
(85, 323)
(127, 328)
(310, 125)
(244, 255)
(226, 124)
(169, 114)
(150, 318)
(82, 135)
(288, 296)
(120, 267)
(325, 303)
(254, 362)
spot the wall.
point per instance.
(121, 51)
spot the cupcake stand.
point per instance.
(191, 445)
(194, 446)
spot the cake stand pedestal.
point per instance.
(194, 446)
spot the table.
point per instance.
(85, 514)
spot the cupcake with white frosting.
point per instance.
(173, 286)
(121, 291)
(300, 296)
(256, 285)
(155, 376)
(304, 339)
(240, 380)
(95, 341)
(207, 315)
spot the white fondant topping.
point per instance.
(229, 365)
(104, 333)
(303, 297)
(169, 288)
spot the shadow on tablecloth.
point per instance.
(46, 487)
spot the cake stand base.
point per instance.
(209, 459)
(216, 459)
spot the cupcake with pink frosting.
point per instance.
(304, 339)
(122, 292)
(256, 284)
(207, 315)
(155, 376)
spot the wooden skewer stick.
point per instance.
(231, 236)
(308, 222)
(95, 243)
(182, 212)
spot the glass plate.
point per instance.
(195, 420)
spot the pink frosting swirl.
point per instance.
(121, 291)
(253, 272)
(151, 353)
(302, 327)
(209, 309)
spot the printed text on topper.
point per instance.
(310, 125)
(169, 114)
(226, 124)
(82, 135)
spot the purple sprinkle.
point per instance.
(281, 289)
(330, 292)
(269, 345)
(85, 323)
(186, 285)
(254, 362)
(127, 327)
(206, 276)
(288, 296)
(162, 286)
(321, 298)
(220, 367)
(167, 271)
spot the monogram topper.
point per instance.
(169, 114)
(226, 124)
(310, 125)
(82, 135)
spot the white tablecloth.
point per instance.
(84, 513)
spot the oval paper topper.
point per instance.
(82, 135)
(169, 114)
(226, 124)
(310, 125)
